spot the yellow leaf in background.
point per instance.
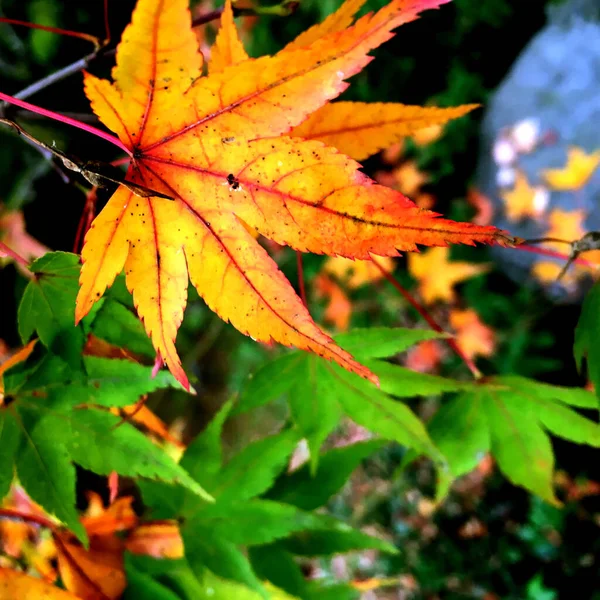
(408, 178)
(437, 275)
(576, 173)
(355, 273)
(473, 337)
(428, 135)
(524, 200)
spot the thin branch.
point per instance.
(83, 36)
(555, 254)
(68, 121)
(4, 249)
(213, 15)
(429, 319)
(9, 513)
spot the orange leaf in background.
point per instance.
(356, 273)
(14, 235)
(159, 540)
(100, 521)
(94, 574)
(361, 129)
(426, 356)
(408, 178)
(482, 204)
(15, 585)
(430, 134)
(576, 173)
(339, 307)
(437, 275)
(474, 337)
(524, 200)
(210, 143)
(19, 356)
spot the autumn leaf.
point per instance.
(15, 236)
(576, 173)
(474, 337)
(211, 143)
(339, 308)
(437, 275)
(14, 584)
(359, 129)
(159, 539)
(94, 574)
(524, 200)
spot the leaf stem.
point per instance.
(67, 120)
(82, 36)
(429, 319)
(22, 516)
(4, 249)
(555, 254)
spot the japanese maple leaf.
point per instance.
(214, 143)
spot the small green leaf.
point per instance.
(48, 305)
(117, 324)
(270, 382)
(587, 334)
(275, 564)
(207, 552)
(45, 470)
(314, 405)
(460, 430)
(383, 342)
(9, 441)
(309, 492)
(258, 521)
(521, 448)
(94, 442)
(373, 409)
(112, 382)
(403, 383)
(250, 472)
(339, 538)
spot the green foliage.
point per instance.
(587, 334)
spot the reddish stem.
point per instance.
(17, 514)
(67, 120)
(4, 249)
(83, 36)
(554, 254)
(106, 23)
(301, 278)
(430, 320)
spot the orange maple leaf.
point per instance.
(212, 144)
(437, 275)
(474, 337)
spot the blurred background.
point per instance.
(525, 161)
